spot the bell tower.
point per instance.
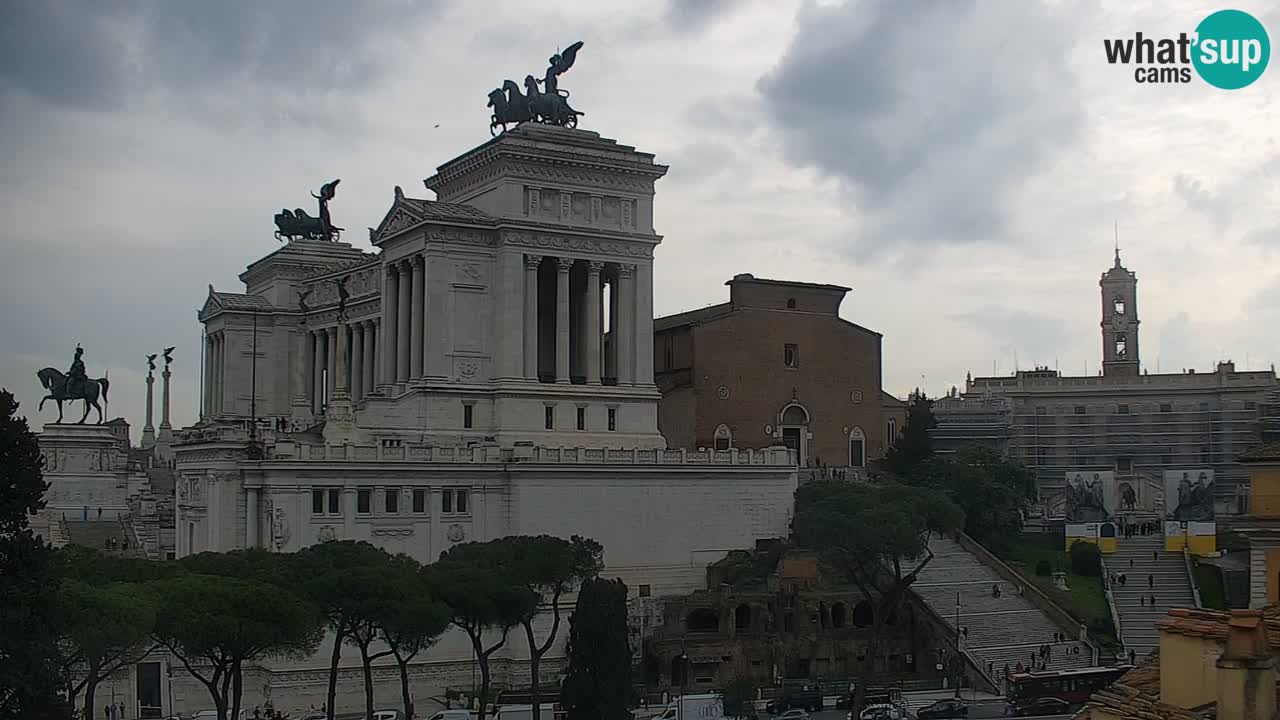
(1119, 321)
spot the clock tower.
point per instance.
(1119, 321)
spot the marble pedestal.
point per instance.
(86, 471)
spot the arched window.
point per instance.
(723, 438)
(1118, 305)
(893, 431)
(742, 617)
(863, 615)
(702, 620)
(857, 448)
(795, 415)
(838, 613)
(791, 303)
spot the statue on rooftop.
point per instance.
(298, 225)
(75, 385)
(168, 355)
(549, 105)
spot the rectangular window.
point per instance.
(1124, 465)
(363, 498)
(460, 500)
(419, 501)
(446, 501)
(335, 502)
(1079, 409)
(582, 418)
(645, 591)
(1204, 456)
(1041, 410)
(392, 500)
(791, 355)
(1123, 409)
(1204, 406)
(613, 419)
(317, 502)
(1166, 407)
(1250, 405)
(466, 415)
(549, 417)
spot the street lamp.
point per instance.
(684, 684)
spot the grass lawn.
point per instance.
(1212, 594)
(1086, 600)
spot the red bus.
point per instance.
(1073, 686)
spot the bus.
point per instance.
(1073, 686)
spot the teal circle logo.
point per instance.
(1232, 49)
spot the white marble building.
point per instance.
(488, 372)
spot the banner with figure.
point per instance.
(1189, 515)
(1091, 496)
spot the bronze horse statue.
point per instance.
(55, 382)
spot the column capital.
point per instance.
(331, 331)
(564, 264)
(405, 265)
(594, 267)
(390, 268)
(626, 271)
(531, 262)
(418, 260)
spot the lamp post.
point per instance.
(684, 683)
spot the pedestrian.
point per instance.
(991, 669)
(1019, 667)
(1122, 579)
(106, 712)
(1155, 556)
(1153, 600)
(1006, 670)
(121, 716)
(1151, 580)
(1132, 657)
(1142, 600)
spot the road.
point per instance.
(976, 710)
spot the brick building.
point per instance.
(774, 365)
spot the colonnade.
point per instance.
(339, 360)
(215, 350)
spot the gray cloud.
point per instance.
(1216, 207)
(930, 117)
(696, 15)
(1039, 336)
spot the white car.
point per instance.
(882, 711)
(794, 714)
(213, 715)
(387, 715)
(454, 714)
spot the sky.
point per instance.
(964, 166)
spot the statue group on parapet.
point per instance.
(74, 385)
(549, 105)
(298, 225)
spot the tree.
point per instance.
(993, 491)
(484, 596)
(914, 446)
(877, 536)
(597, 685)
(739, 697)
(29, 685)
(104, 628)
(379, 589)
(412, 625)
(214, 625)
(326, 577)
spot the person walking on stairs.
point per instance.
(1151, 581)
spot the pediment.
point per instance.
(398, 218)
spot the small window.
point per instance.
(1166, 407)
(1124, 465)
(1079, 409)
(363, 498)
(1119, 306)
(723, 438)
(549, 417)
(1205, 456)
(613, 419)
(791, 355)
(791, 303)
(392, 500)
(419, 501)
(668, 353)
(582, 418)
(446, 501)
(1123, 409)
(1042, 410)
(1122, 346)
(335, 502)
(893, 430)
(466, 415)
(317, 502)
(1250, 405)
(460, 500)
(645, 591)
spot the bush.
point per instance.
(1043, 569)
(1086, 560)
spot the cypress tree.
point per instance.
(598, 683)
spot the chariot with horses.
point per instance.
(548, 105)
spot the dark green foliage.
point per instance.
(1043, 569)
(993, 491)
(104, 628)
(597, 684)
(739, 697)
(913, 446)
(413, 624)
(29, 657)
(1086, 559)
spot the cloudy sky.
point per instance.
(961, 165)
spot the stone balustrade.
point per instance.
(395, 451)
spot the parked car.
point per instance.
(387, 715)
(213, 715)
(943, 709)
(882, 711)
(1038, 706)
(794, 714)
(452, 714)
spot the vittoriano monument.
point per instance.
(75, 385)
(549, 105)
(298, 225)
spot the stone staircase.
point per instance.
(1004, 630)
(1172, 588)
(96, 533)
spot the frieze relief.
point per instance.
(392, 531)
(471, 273)
(583, 177)
(364, 282)
(460, 236)
(467, 368)
(401, 220)
(548, 241)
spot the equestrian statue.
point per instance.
(548, 105)
(75, 385)
(298, 225)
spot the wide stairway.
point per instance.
(97, 534)
(1004, 630)
(1172, 588)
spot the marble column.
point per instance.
(625, 336)
(370, 354)
(591, 333)
(207, 406)
(531, 263)
(331, 363)
(416, 319)
(149, 430)
(644, 324)
(611, 358)
(563, 266)
(357, 360)
(219, 367)
(403, 320)
(251, 539)
(166, 430)
(303, 363)
(390, 321)
(342, 377)
(317, 371)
